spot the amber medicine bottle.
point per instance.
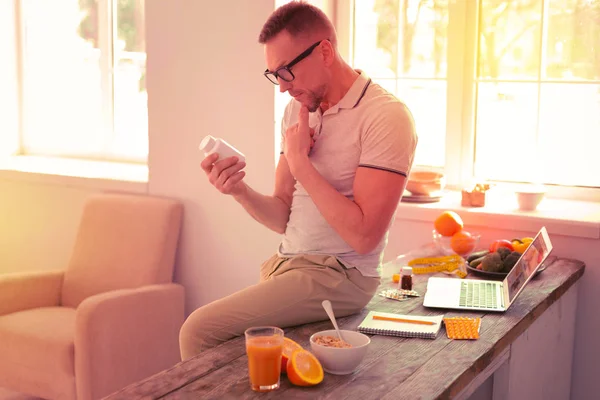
(406, 281)
(210, 145)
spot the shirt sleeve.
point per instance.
(389, 140)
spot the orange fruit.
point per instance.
(289, 346)
(303, 369)
(462, 243)
(448, 223)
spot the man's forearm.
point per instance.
(270, 211)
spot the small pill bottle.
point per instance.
(406, 281)
(210, 145)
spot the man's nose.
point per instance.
(283, 85)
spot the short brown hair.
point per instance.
(296, 17)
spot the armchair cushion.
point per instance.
(37, 349)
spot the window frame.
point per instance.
(461, 78)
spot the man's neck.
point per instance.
(343, 81)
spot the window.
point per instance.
(81, 79)
(500, 90)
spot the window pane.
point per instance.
(130, 97)
(396, 41)
(506, 132)
(426, 99)
(570, 134)
(388, 84)
(83, 82)
(401, 38)
(573, 39)
(509, 40)
(62, 88)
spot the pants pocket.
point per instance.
(335, 263)
(269, 267)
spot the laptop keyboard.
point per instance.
(478, 294)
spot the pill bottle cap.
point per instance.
(207, 143)
(406, 270)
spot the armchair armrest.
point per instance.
(23, 291)
(123, 336)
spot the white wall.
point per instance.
(205, 76)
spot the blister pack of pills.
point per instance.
(398, 294)
(462, 327)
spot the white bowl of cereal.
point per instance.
(335, 357)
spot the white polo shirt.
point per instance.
(368, 128)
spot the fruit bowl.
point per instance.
(462, 244)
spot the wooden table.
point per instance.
(526, 351)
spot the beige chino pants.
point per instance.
(289, 293)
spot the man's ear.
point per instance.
(327, 52)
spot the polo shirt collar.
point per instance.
(356, 91)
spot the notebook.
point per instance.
(404, 329)
(483, 295)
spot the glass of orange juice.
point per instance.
(264, 345)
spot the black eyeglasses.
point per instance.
(285, 72)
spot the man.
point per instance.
(347, 148)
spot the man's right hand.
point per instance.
(226, 175)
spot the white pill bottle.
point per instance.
(210, 145)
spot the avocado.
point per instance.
(503, 251)
(492, 262)
(509, 262)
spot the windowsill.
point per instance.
(561, 217)
(98, 175)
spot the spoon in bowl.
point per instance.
(329, 310)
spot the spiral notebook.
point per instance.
(401, 328)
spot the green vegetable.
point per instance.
(509, 262)
(476, 262)
(476, 255)
(503, 251)
(492, 262)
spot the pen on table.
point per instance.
(410, 321)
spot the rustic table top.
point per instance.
(394, 367)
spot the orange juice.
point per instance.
(264, 361)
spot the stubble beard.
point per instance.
(315, 99)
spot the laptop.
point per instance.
(485, 295)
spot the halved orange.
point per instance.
(289, 346)
(303, 369)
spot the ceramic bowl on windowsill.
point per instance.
(425, 183)
(530, 198)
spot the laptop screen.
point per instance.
(526, 266)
